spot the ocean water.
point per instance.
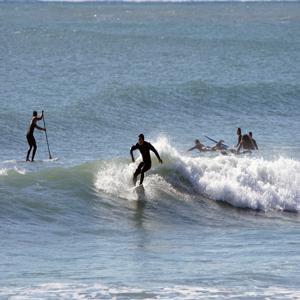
(207, 226)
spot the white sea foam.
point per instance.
(184, 292)
(246, 182)
(115, 178)
(3, 172)
(21, 171)
(7, 171)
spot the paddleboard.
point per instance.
(15, 161)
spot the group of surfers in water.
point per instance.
(246, 143)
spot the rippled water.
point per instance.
(207, 226)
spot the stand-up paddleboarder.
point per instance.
(30, 137)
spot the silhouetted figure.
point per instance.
(239, 134)
(246, 144)
(30, 136)
(145, 165)
(254, 145)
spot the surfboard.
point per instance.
(139, 191)
(137, 188)
(50, 159)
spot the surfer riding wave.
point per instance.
(145, 165)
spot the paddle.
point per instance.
(216, 141)
(46, 136)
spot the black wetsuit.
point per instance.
(145, 165)
(31, 140)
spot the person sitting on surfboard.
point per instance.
(145, 165)
(29, 135)
(254, 145)
(199, 146)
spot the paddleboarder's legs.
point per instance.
(141, 169)
(32, 144)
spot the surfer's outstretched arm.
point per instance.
(156, 153)
(134, 147)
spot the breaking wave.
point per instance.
(244, 182)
